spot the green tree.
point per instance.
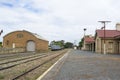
(81, 43)
(60, 43)
(0, 44)
(68, 45)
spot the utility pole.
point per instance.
(104, 23)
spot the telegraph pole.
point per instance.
(104, 23)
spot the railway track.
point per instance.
(6, 65)
(17, 55)
(19, 59)
(11, 69)
(13, 63)
(32, 69)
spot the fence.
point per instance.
(11, 50)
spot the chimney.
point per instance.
(118, 26)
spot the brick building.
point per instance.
(24, 39)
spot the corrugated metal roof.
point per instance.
(34, 34)
(108, 33)
(39, 37)
(89, 39)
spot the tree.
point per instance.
(81, 43)
(60, 43)
(68, 45)
(0, 44)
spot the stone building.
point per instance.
(24, 39)
(88, 43)
(111, 39)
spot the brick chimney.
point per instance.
(118, 26)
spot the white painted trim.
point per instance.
(52, 67)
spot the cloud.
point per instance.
(57, 19)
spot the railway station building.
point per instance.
(89, 43)
(29, 41)
(111, 40)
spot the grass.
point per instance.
(2, 77)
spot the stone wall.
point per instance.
(19, 39)
(11, 50)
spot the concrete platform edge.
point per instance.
(60, 61)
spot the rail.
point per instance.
(30, 70)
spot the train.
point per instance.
(56, 47)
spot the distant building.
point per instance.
(75, 47)
(24, 39)
(88, 43)
(112, 40)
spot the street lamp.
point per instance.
(84, 37)
(84, 31)
(1, 32)
(104, 22)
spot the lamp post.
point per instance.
(1, 32)
(104, 23)
(84, 31)
(84, 36)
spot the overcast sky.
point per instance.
(58, 19)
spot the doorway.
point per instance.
(30, 46)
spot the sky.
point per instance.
(58, 19)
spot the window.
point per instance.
(19, 35)
(7, 42)
(110, 45)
